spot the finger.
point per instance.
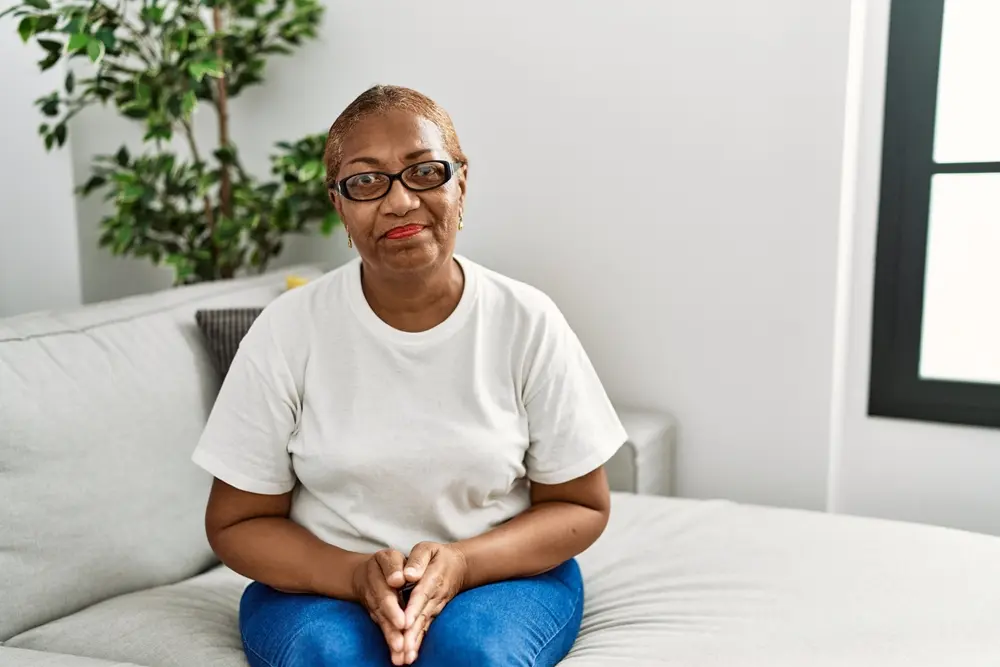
(429, 589)
(413, 642)
(393, 637)
(420, 557)
(416, 607)
(388, 606)
(419, 641)
(391, 563)
(410, 636)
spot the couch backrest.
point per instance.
(100, 409)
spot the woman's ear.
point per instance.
(463, 173)
(337, 201)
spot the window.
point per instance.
(936, 318)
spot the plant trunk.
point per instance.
(225, 182)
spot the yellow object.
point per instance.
(291, 282)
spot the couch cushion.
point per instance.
(224, 329)
(100, 409)
(672, 582)
(18, 657)
(194, 622)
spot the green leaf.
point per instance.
(162, 132)
(75, 24)
(225, 155)
(46, 23)
(122, 156)
(48, 141)
(92, 184)
(51, 45)
(276, 49)
(95, 50)
(107, 37)
(26, 28)
(124, 235)
(310, 170)
(189, 103)
(70, 82)
(49, 61)
(130, 193)
(209, 67)
(77, 41)
(60, 134)
(38, 4)
(51, 107)
(152, 15)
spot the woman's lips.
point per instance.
(403, 232)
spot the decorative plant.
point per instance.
(156, 61)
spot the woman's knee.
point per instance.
(284, 630)
(320, 645)
(456, 646)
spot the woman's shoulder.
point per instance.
(295, 309)
(508, 296)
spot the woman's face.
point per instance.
(404, 230)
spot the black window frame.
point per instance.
(896, 388)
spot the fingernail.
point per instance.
(411, 656)
(411, 570)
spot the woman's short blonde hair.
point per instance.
(381, 99)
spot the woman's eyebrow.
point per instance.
(375, 162)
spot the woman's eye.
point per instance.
(364, 179)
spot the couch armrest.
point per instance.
(20, 657)
(645, 463)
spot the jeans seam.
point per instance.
(246, 645)
(291, 640)
(562, 627)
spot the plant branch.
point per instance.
(189, 133)
(226, 184)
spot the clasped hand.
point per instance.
(438, 572)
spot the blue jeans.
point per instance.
(530, 622)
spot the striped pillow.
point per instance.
(224, 328)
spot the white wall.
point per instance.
(897, 469)
(668, 170)
(39, 265)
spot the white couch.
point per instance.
(103, 558)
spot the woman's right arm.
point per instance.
(252, 534)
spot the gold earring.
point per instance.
(350, 243)
(461, 226)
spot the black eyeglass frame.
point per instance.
(340, 187)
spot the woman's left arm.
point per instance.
(563, 520)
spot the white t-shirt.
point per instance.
(390, 438)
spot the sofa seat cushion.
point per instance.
(671, 582)
(193, 622)
(19, 657)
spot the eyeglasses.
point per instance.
(420, 177)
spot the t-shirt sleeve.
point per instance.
(245, 441)
(573, 428)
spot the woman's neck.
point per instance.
(414, 302)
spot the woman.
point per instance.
(408, 451)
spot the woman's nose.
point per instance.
(400, 200)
